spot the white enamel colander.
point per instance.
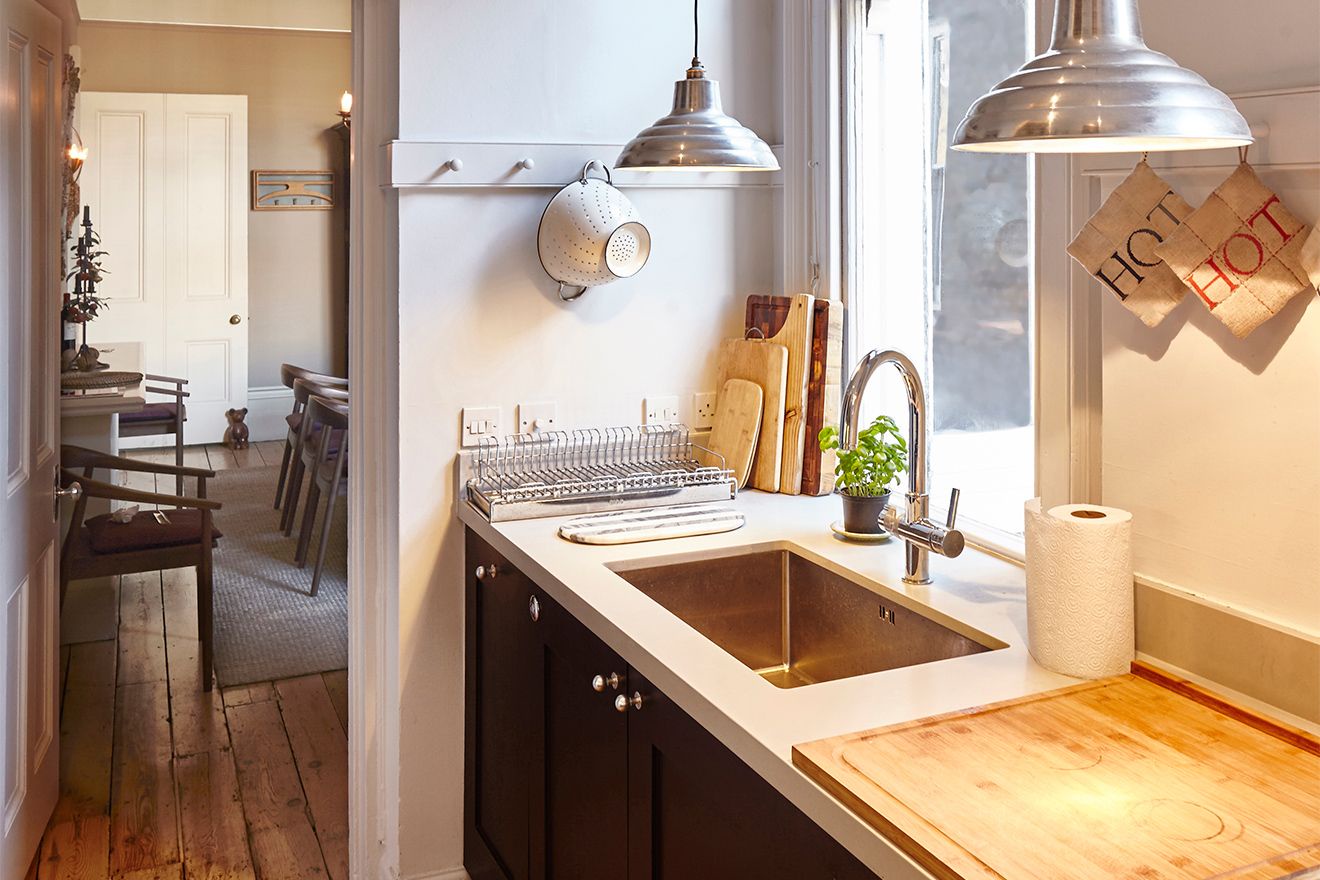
(591, 234)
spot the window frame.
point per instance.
(821, 70)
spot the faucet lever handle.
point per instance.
(953, 508)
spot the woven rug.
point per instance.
(267, 627)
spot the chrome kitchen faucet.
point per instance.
(920, 535)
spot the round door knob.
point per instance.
(534, 609)
(598, 683)
(235, 319)
(621, 703)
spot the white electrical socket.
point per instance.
(537, 417)
(660, 411)
(703, 408)
(480, 422)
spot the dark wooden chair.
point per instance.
(183, 537)
(160, 418)
(303, 390)
(326, 457)
(289, 374)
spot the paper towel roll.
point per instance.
(1079, 588)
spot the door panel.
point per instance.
(206, 256)
(29, 296)
(166, 179)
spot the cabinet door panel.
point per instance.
(584, 754)
(501, 679)
(696, 810)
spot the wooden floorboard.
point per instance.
(320, 750)
(284, 844)
(160, 780)
(77, 841)
(144, 823)
(336, 684)
(215, 845)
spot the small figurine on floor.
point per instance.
(236, 435)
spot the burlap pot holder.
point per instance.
(1117, 245)
(1241, 252)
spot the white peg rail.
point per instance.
(472, 165)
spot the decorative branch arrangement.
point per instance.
(84, 303)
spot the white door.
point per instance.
(166, 179)
(30, 134)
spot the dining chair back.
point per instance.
(289, 375)
(325, 455)
(160, 418)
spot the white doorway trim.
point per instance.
(373, 569)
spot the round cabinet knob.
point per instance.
(621, 702)
(455, 164)
(487, 572)
(235, 320)
(527, 164)
(598, 683)
(534, 609)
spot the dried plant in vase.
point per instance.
(83, 304)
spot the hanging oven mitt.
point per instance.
(1117, 245)
(1243, 253)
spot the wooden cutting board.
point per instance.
(737, 426)
(1136, 776)
(765, 364)
(824, 376)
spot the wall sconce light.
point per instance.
(76, 156)
(346, 109)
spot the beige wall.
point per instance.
(296, 260)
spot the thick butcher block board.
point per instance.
(1118, 778)
(766, 364)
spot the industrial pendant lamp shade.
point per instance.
(1099, 89)
(697, 135)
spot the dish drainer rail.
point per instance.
(561, 473)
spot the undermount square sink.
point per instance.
(792, 621)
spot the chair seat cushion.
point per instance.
(152, 412)
(143, 532)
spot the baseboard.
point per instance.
(267, 408)
(447, 874)
(1264, 660)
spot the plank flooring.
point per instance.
(160, 780)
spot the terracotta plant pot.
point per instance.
(862, 513)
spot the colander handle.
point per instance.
(571, 297)
(602, 166)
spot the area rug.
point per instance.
(267, 627)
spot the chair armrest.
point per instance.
(78, 457)
(172, 392)
(99, 489)
(156, 378)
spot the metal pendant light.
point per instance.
(697, 135)
(1099, 89)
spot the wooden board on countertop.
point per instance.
(766, 364)
(738, 410)
(795, 335)
(824, 376)
(1118, 778)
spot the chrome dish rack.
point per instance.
(563, 473)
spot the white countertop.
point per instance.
(756, 720)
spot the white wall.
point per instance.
(480, 323)
(1212, 442)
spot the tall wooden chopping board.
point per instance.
(766, 364)
(824, 377)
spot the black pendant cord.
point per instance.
(696, 31)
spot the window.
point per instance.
(945, 247)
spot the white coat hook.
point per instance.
(454, 164)
(527, 164)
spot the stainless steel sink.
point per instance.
(793, 621)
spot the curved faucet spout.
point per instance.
(916, 392)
